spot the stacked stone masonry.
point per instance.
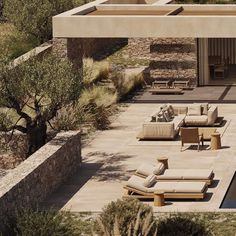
(1, 8)
(97, 48)
(170, 58)
(42, 173)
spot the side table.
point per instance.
(164, 161)
(215, 141)
(159, 199)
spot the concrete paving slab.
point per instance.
(113, 155)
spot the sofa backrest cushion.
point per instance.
(180, 110)
(204, 108)
(194, 110)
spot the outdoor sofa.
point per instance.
(145, 188)
(166, 123)
(173, 175)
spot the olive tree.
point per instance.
(35, 91)
(34, 17)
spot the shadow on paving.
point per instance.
(210, 94)
(107, 167)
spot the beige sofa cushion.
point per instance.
(194, 110)
(180, 109)
(149, 181)
(196, 120)
(186, 174)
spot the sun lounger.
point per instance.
(136, 188)
(187, 175)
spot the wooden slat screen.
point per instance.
(223, 47)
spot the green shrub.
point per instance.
(94, 71)
(181, 226)
(13, 42)
(47, 223)
(126, 85)
(126, 217)
(66, 119)
(39, 14)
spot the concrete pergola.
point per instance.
(103, 19)
(149, 18)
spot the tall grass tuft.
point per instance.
(125, 85)
(94, 71)
(126, 218)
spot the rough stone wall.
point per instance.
(170, 58)
(96, 48)
(139, 47)
(42, 173)
(1, 8)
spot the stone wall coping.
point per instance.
(43, 48)
(34, 161)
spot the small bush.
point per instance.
(181, 226)
(126, 216)
(94, 71)
(66, 119)
(13, 42)
(126, 85)
(30, 222)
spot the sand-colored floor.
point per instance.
(111, 157)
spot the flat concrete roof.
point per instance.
(98, 19)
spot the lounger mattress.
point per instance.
(180, 187)
(136, 182)
(186, 174)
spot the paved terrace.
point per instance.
(212, 94)
(114, 154)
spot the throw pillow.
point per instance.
(166, 116)
(171, 110)
(149, 181)
(194, 110)
(159, 169)
(160, 117)
(153, 119)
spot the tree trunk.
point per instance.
(36, 135)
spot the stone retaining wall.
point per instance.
(77, 48)
(41, 174)
(170, 58)
(1, 9)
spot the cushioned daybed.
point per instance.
(162, 174)
(141, 188)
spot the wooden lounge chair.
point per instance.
(189, 136)
(161, 84)
(135, 188)
(172, 175)
(183, 84)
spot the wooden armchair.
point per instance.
(190, 135)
